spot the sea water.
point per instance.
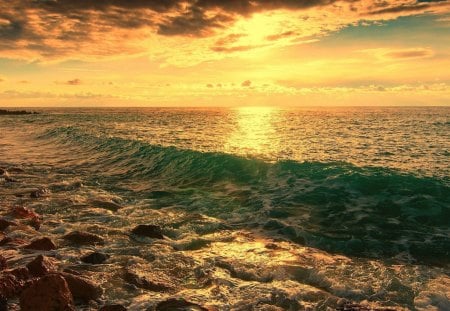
(289, 208)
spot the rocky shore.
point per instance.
(66, 246)
(15, 112)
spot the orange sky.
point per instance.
(224, 53)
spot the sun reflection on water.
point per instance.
(254, 134)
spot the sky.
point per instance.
(224, 53)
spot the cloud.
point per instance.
(209, 85)
(246, 83)
(68, 29)
(409, 53)
(286, 34)
(389, 54)
(74, 82)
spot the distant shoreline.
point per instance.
(4, 112)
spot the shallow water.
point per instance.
(293, 208)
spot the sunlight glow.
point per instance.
(254, 131)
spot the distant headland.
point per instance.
(15, 112)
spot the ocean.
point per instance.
(261, 207)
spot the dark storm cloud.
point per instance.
(419, 6)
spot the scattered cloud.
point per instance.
(73, 82)
(246, 83)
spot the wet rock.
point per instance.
(177, 304)
(41, 265)
(42, 244)
(71, 271)
(23, 212)
(5, 224)
(41, 192)
(13, 281)
(3, 304)
(3, 172)
(3, 263)
(12, 242)
(50, 292)
(81, 237)
(82, 288)
(152, 280)
(106, 205)
(95, 258)
(10, 179)
(113, 308)
(150, 231)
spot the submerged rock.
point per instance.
(177, 304)
(3, 304)
(81, 237)
(50, 292)
(41, 192)
(113, 308)
(149, 231)
(82, 288)
(4, 224)
(3, 263)
(106, 205)
(42, 244)
(40, 266)
(95, 258)
(152, 280)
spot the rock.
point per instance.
(80, 237)
(95, 258)
(10, 179)
(5, 224)
(3, 172)
(152, 280)
(113, 308)
(178, 304)
(12, 282)
(150, 231)
(10, 241)
(3, 304)
(82, 288)
(40, 266)
(50, 292)
(106, 205)
(41, 192)
(3, 263)
(42, 244)
(23, 212)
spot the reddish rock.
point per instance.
(12, 282)
(150, 231)
(113, 308)
(82, 288)
(80, 237)
(50, 292)
(40, 266)
(178, 304)
(5, 224)
(23, 212)
(42, 244)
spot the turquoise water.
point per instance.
(370, 184)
